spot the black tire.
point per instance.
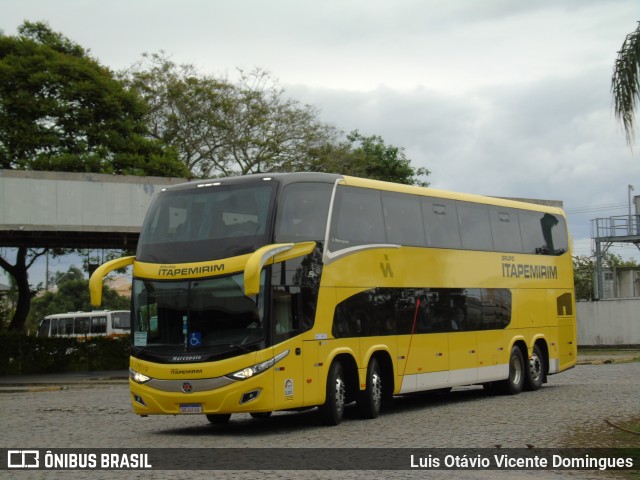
(260, 414)
(369, 401)
(536, 370)
(517, 373)
(332, 411)
(218, 418)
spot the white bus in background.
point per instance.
(86, 324)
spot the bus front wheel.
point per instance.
(332, 410)
(369, 400)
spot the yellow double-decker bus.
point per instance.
(289, 291)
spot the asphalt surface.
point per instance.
(92, 410)
(50, 381)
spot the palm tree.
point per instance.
(625, 83)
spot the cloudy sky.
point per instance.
(497, 97)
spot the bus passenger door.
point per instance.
(288, 323)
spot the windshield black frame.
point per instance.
(196, 319)
(209, 222)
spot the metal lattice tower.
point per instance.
(610, 230)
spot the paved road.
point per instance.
(98, 415)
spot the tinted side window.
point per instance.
(302, 212)
(121, 320)
(543, 233)
(81, 325)
(403, 219)
(559, 236)
(65, 326)
(403, 311)
(54, 327)
(441, 223)
(505, 228)
(43, 331)
(98, 324)
(357, 218)
(475, 228)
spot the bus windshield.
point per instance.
(207, 223)
(208, 316)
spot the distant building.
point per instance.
(621, 282)
(121, 284)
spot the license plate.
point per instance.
(190, 408)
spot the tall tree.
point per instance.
(269, 132)
(221, 128)
(19, 270)
(369, 157)
(625, 83)
(185, 110)
(61, 110)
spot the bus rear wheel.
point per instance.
(536, 372)
(332, 411)
(369, 400)
(515, 383)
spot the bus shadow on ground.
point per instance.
(283, 422)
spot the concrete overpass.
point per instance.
(81, 210)
(74, 210)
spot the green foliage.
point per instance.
(369, 157)
(625, 82)
(220, 128)
(20, 354)
(584, 270)
(61, 110)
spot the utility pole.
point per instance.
(630, 189)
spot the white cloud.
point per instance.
(495, 97)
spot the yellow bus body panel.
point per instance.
(542, 313)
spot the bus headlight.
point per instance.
(249, 372)
(138, 377)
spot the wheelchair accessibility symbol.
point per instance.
(195, 339)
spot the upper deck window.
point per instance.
(357, 218)
(303, 211)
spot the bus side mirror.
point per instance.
(278, 252)
(95, 282)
